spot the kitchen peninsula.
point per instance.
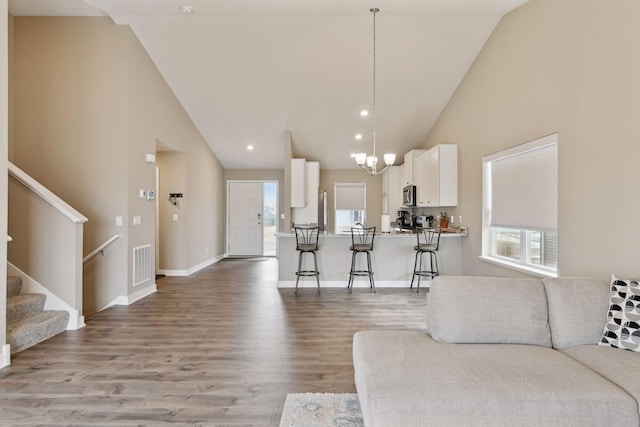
(392, 260)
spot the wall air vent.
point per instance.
(141, 264)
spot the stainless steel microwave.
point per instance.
(409, 195)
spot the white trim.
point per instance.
(5, 356)
(358, 283)
(130, 299)
(520, 267)
(194, 269)
(46, 194)
(523, 148)
(53, 302)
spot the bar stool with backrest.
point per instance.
(307, 242)
(428, 241)
(361, 242)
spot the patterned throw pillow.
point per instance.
(623, 319)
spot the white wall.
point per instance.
(571, 67)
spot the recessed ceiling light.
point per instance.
(186, 9)
(358, 136)
(250, 147)
(364, 113)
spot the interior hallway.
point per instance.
(222, 347)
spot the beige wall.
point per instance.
(156, 114)
(571, 67)
(89, 105)
(329, 177)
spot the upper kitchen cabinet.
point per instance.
(298, 183)
(308, 213)
(391, 189)
(408, 173)
(437, 176)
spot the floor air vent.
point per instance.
(141, 264)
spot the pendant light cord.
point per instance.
(374, 11)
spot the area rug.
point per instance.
(321, 410)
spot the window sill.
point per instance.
(538, 272)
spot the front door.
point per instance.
(245, 202)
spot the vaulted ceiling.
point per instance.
(248, 71)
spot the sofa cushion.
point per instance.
(622, 329)
(619, 367)
(488, 310)
(405, 378)
(577, 310)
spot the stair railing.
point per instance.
(48, 236)
(100, 249)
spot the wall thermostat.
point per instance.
(151, 195)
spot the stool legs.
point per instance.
(354, 272)
(418, 271)
(313, 272)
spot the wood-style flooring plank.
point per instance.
(220, 348)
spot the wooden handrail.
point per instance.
(101, 248)
(46, 195)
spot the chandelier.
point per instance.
(369, 163)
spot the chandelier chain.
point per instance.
(374, 11)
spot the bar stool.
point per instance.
(307, 242)
(428, 240)
(361, 242)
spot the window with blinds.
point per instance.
(350, 201)
(520, 201)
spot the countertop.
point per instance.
(410, 234)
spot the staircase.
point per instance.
(27, 321)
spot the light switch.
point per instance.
(175, 217)
(143, 194)
(137, 220)
(119, 221)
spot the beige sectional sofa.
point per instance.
(500, 352)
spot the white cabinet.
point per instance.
(437, 176)
(298, 186)
(308, 214)
(408, 173)
(391, 190)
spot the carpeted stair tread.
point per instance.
(24, 305)
(14, 285)
(32, 330)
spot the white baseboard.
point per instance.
(53, 302)
(136, 296)
(356, 284)
(194, 269)
(5, 356)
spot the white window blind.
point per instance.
(524, 189)
(350, 196)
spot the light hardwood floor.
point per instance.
(222, 347)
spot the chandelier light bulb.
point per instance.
(372, 161)
(389, 158)
(361, 158)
